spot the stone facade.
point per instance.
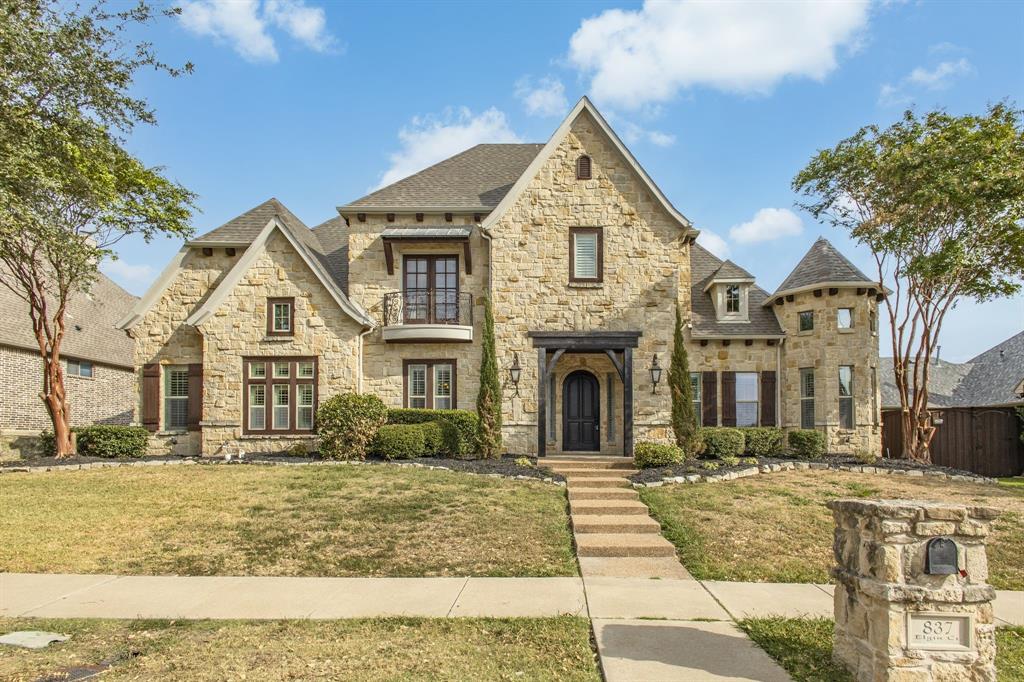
(895, 621)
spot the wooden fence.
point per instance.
(985, 440)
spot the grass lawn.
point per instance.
(283, 521)
(804, 648)
(375, 649)
(775, 528)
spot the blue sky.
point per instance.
(317, 103)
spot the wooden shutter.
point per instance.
(728, 398)
(151, 396)
(709, 398)
(767, 398)
(195, 396)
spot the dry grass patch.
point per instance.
(377, 649)
(283, 521)
(775, 528)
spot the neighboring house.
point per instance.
(98, 361)
(253, 324)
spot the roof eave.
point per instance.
(405, 210)
(152, 295)
(824, 285)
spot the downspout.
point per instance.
(486, 235)
(359, 374)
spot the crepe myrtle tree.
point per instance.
(939, 200)
(69, 190)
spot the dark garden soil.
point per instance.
(53, 462)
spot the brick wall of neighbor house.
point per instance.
(825, 349)
(369, 281)
(646, 269)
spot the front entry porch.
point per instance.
(582, 392)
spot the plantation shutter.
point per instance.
(709, 399)
(728, 398)
(585, 260)
(767, 398)
(195, 396)
(151, 396)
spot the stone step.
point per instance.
(597, 482)
(594, 473)
(614, 523)
(606, 506)
(622, 545)
(582, 492)
(617, 463)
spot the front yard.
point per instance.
(371, 520)
(775, 527)
(372, 649)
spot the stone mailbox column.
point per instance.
(895, 620)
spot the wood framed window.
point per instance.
(430, 286)
(280, 316)
(806, 320)
(806, 397)
(695, 386)
(176, 397)
(586, 254)
(746, 398)
(430, 384)
(584, 170)
(846, 411)
(280, 395)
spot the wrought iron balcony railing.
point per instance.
(428, 307)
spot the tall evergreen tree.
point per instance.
(488, 400)
(684, 420)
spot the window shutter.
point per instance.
(151, 396)
(709, 399)
(767, 398)
(195, 396)
(728, 398)
(586, 254)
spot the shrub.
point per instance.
(435, 435)
(103, 440)
(806, 443)
(523, 462)
(865, 456)
(722, 442)
(763, 441)
(710, 466)
(399, 441)
(749, 460)
(730, 460)
(347, 423)
(460, 440)
(647, 455)
(298, 450)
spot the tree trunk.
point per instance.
(54, 398)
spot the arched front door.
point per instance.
(581, 417)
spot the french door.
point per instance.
(431, 289)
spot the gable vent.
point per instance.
(583, 168)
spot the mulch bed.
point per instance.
(43, 462)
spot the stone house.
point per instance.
(585, 260)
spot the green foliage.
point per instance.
(346, 424)
(399, 441)
(103, 440)
(684, 421)
(710, 466)
(524, 462)
(865, 456)
(434, 437)
(730, 460)
(459, 428)
(763, 441)
(748, 460)
(806, 443)
(298, 450)
(722, 441)
(488, 400)
(647, 455)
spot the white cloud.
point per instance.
(429, 139)
(126, 272)
(661, 139)
(713, 243)
(939, 78)
(633, 133)
(766, 225)
(648, 55)
(546, 99)
(245, 24)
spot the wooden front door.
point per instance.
(581, 416)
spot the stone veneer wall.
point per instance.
(646, 269)
(737, 356)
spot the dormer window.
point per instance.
(583, 170)
(732, 299)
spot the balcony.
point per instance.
(435, 316)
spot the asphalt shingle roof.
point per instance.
(729, 270)
(474, 180)
(703, 267)
(822, 263)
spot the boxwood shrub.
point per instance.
(647, 455)
(399, 441)
(346, 424)
(806, 443)
(459, 440)
(763, 441)
(103, 440)
(722, 441)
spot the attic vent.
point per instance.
(583, 168)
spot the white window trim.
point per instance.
(720, 300)
(167, 369)
(756, 402)
(274, 406)
(807, 398)
(410, 384)
(287, 328)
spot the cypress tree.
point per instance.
(488, 400)
(684, 421)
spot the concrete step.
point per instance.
(616, 463)
(666, 567)
(598, 506)
(622, 545)
(597, 482)
(614, 523)
(595, 473)
(582, 492)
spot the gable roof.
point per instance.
(703, 268)
(473, 180)
(822, 264)
(583, 106)
(91, 324)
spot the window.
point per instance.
(430, 384)
(175, 397)
(431, 289)
(586, 260)
(844, 318)
(80, 368)
(280, 316)
(846, 397)
(874, 396)
(806, 320)
(732, 298)
(289, 389)
(695, 389)
(583, 168)
(873, 322)
(746, 398)
(807, 398)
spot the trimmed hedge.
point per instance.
(722, 441)
(399, 441)
(459, 435)
(806, 444)
(763, 441)
(346, 424)
(435, 436)
(647, 455)
(104, 440)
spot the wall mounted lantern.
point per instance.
(655, 373)
(514, 372)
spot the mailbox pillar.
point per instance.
(909, 605)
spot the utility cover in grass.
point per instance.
(32, 639)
